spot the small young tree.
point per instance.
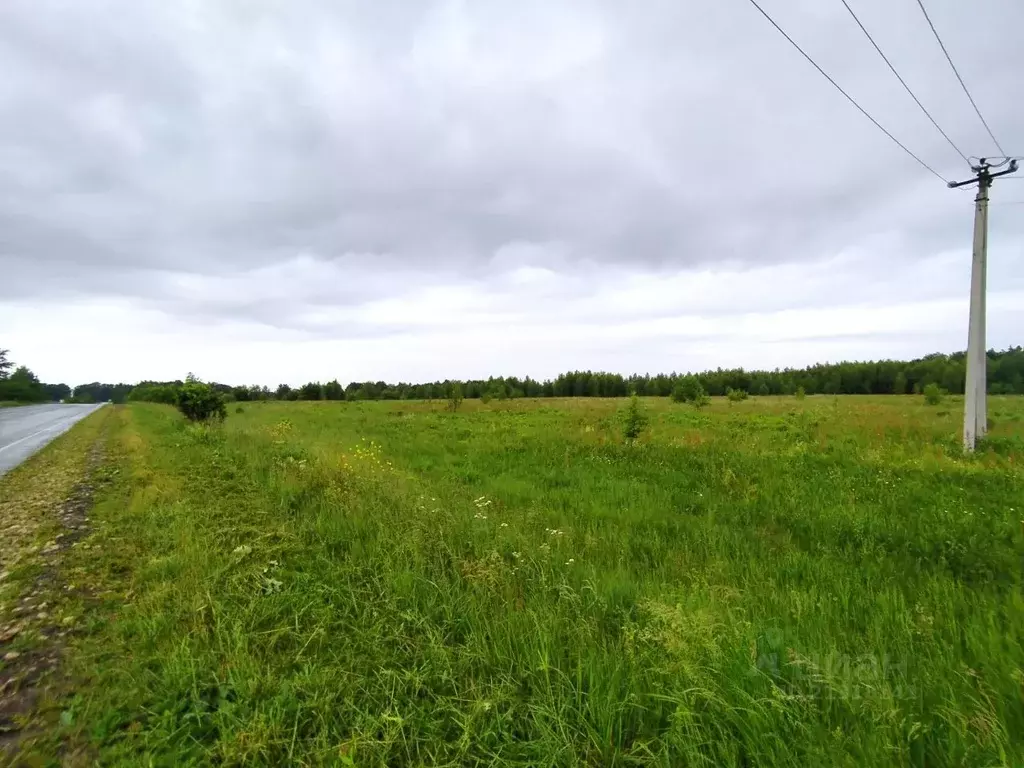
(801, 393)
(199, 401)
(702, 400)
(933, 393)
(899, 384)
(496, 391)
(455, 396)
(634, 420)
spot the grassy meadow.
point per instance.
(819, 582)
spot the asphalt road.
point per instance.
(26, 429)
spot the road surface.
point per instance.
(26, 429)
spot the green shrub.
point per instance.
(933, 393)
(634, 420)
(702, 400)
(801, 393)
(152, 392)
(687, 390)
(200, 402)
(736, 395)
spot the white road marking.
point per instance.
(29, 437)
(23, 447)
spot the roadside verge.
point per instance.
(44, 505)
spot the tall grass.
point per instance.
(773, 582)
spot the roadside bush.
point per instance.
(736, 395)
(200, 402)
(634, 420)
(933, 393)
(152, 392)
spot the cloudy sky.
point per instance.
(263, 191)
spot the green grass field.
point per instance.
(820, 582)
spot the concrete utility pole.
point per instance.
(975, 407)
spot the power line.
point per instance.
(957, 73)
(848, 96)
(904, 83)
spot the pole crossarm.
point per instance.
(982, 170)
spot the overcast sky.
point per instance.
(268, 191)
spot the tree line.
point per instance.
(885, 377)
(20, 385)
(1005, 376)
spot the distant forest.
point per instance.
(1005, 376)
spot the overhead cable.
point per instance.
(904, 82)
(849, 98)
(957, 73)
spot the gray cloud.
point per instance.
(418, 142)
